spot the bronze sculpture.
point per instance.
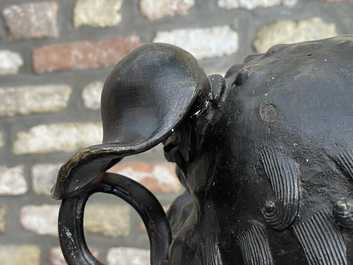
(265, 155)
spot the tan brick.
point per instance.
(44, 177)
(128, 256)
(10, 62)
(64, 137)
(32, 20)
(337, 1)
(202, 42)
(83, 54)
(154, 10)
(156, 177)
(56, 256)
(252, 4)
(91, 95)
(12, 180)
(3, 213)
(290, 31)
(19, 254)
(97, 13)
(2, 140)
(107, 219)
(25, 100)
(40, 219)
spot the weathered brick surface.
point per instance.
(3, 215)
(19, 254)
(91, 95)
(83, 54)
(156, 177)
(128, 256)
(97, 13)
(54, 56)
(25, 100)
(107, 219)
(2, 142)
(337, 1)
(154, 10)
(41, 219)
(202, 42)
(64, 137)
(252, 4)
(12, 180)
(10, 62)
(56, 256)
(44, 177)
(32, 20)
(289, 31)
(104, 219)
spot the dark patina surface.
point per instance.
(265, 155)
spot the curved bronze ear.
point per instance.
(148, 93)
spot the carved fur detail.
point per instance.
(284, 176)
(254, 246)
(321, 241)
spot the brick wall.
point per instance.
(54, 56)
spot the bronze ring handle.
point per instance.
(71, 214)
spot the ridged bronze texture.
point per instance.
(210, 253)
(284, 176)
(344, 161)
(343, 208)
(254, 246)
(321, 241)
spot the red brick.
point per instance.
(83, 54)
(159, 178)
